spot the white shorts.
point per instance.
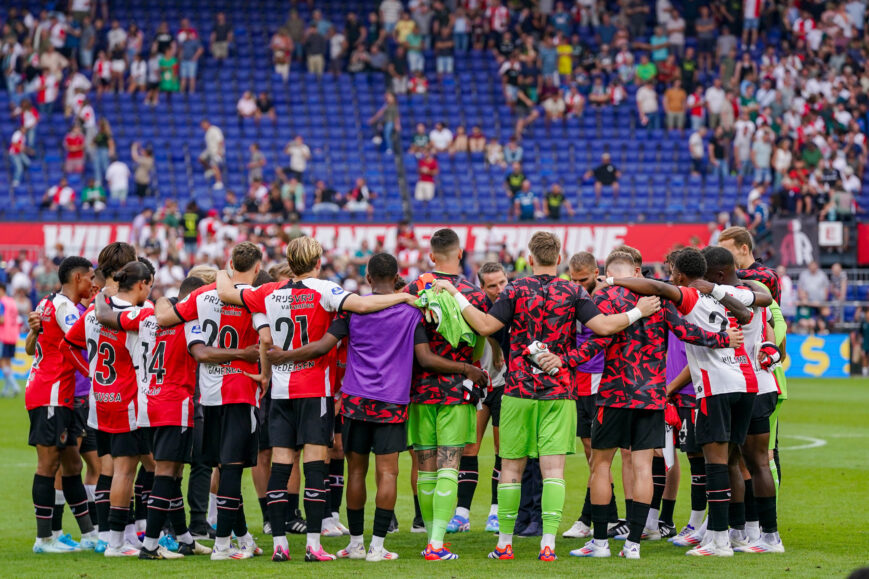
(425, 191)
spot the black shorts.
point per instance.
(265, 443)
(7, 351)
(724, 418)
(134, 443)
(687, 439)
(629, 428)
(764, 406)
(89, 435)
(53, 426)
(153, 85)
(296, 422)
(230, 435)
(363, 437)
(172, 443)
(585, 411)
(705, 45)
(339, 423)
(493, 401)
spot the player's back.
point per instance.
(171, 379)
(52, 381)
(222, 326)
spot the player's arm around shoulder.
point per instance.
(482, 323)
(375, 302)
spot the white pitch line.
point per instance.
(811, 442)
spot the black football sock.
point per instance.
(240, 526)
(140, 508)
(356, 521)
(469, 475)
(177, 516)
(599, 516)
(77, 499)
(766, 511)
(667, 508)
(57, 512)
(496, 478)
(750, 502)
(264, 508)
(277, 497)
(736, 515)
(43, 504)
(718, 496)
(101, 499)
(292, 503)
(336, 484)
(659, 481)
(315, 494)
(228, 499)
(698, 483)
(639, 514)
(613, 509)
(585, 516)
(327, 496)
(382, 519)
(159, 505)
(629, 506)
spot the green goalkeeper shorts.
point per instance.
(433, 425)
(533, 428)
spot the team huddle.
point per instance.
(287, 374)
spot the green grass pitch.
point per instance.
(823, 517)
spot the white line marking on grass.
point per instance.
(811, 442)
(848, 435)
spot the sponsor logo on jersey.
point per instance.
(70, 319)
(337, 290)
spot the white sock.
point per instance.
(211, 518)
(493, 510)
(696, 519)
(140, 525)
(437, 545)
(131, 537)
(56, 534)
(703, 525)
(186, 538)
(377, 542)
(58, 498)
(92, 535)
(150, 543)
(752, 525)
(221, 543)
(336, 516)
(463, 512)
(601, 542)
(89, 491)
(105, 536)
(356, 540)
(772, 538)
(652, 520)
(504, 539)
(547, 540)
(116, 539)
(313, 541)
(280, 542)
(246, 539)
(629, 544)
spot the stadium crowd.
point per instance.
(772, 92)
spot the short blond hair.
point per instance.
(582, 261)
(206, 273)
(620, 257)
(739, 235)
(635, 254)
(303, 253)
(545, 247)
(281, 272)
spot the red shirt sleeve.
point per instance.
(186, 308)
(76, 334)
(130, 320)
(690, 296)
(254, 299)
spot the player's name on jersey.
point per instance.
(152, 391)
(286, 298)
(294, 366)
(220, 370)
(107, 397)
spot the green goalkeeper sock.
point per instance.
(552, 503)
(444, 504)
(425, 488)
(509, 495)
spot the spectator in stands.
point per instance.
(715, 99)
(495, 154)
(73, 146)
(397, 71)
(138, 81)
(526, 205)
(169, 73)
(646, 71)
(282, 49)
(60, 196)
(326, 199)
(418, 84)
(103, 149)
(29, 121)
(758, 214)
(719, 148)
(18, 154)
(93, 196)
(838, 283)
(788, 293)
(190, 48)
(509, 72)
(444, 48)
(706, 30)
(389, 115)
(413, 42)
(575, 102)
(440, 137)
(390, 12)
(675, 101)
(697, 150)
(514, 179)
(221, 38)
(605, 175)
(118, 180)
(813, 286)
(265, 107)
(476, 140)
(299, 154)
(293, 191)
(246, 108)
(647, 106)
(555, 108)
(460, 141)
(513, 152)
(420, 141)
(359, 199)
(152, 97)
(676, 32)
(273, 206)
(256, 163)
(553, 202)
(213, 156)
(761, 157)
(659, 45)
(315, 50)
(143, 157)
(428, 169)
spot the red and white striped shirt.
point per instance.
(52, 379)
(16, 145)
